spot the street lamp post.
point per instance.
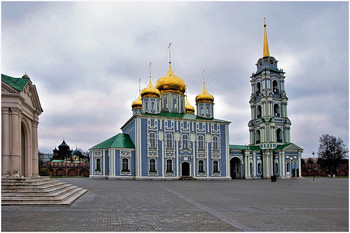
(314, 168)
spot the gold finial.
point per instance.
(150, 71)
(266, 52)
(169, 53)
(203, 72)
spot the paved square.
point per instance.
(237, 205)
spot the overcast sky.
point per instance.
(86, 58)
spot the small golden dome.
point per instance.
(172, 83)
(204, 96)
(150, 90)
(188, 107)
(137, 103)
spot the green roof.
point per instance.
(243, 147)
(118, 141)
(280, 147)
(56, 161)
(17, 83)
(186, 116)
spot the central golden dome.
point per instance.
(204, 96)
(171, 83)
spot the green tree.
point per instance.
(331, 152)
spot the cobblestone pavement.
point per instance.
(237, 205)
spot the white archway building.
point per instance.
(20, 109)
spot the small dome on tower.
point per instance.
(172, 83)
(137, 103)
(188, 107)
(25, 76)
(150, 90)
(77, 153)
(204, 96)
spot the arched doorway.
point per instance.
(185, 169)
(235, 168)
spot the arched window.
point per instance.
(200, 166)
(276, 110)
(174, 104)
(146, 105)
(152, 107)
(259, 168)
(251, 168)
(288, 166)
(125, 165)
(257, 136)
(207, 110)
(215, 166)
(215, 143)
(258, 88)
(152, 139)
(201, 142)
(184, 141)
(279, 135)
(165, 102)
(169, 165)
(98, 164)
(201, 110)
(258, 112)
(182, 105)
(152, 165)
(169, 140)
(275, 87)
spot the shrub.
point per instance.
(44, 172)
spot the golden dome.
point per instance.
(188, 107)
(137, 103)
(204, 96)
(150, 90)
(170, 82)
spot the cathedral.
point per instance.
(167, 138)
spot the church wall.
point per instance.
(106, 163)
(130, 129)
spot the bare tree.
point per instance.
(331, 152)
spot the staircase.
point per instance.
(38, 191)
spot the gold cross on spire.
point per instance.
(169, 53)
(203, 72)
(149, 70)
(139, 85)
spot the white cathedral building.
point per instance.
(166, 139)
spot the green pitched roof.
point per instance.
(17, 83)
(280, 147)
(118, 141)
(243, 147)
(186, 116)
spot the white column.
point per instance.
(254, 167)
(283, 164)
(15, 157)
(35, 168)
(299, 156)
(5, 141)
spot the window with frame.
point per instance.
(201, 142)
(276, 168)
(288, 166)
(125, 165)
(259, 168)
(257, 136)
(184, 141)
(215, 143)
(174, 103)
(201, 110)
(152, 106)
(169, 140)
(165, 102)
(200, 166)
(258, 112)
(169, 165)
(251, 168)
(146, 105)
(152, 139)
(98, 164)
(215, 166)
(152, 165)
(279, 135)
(207, 109)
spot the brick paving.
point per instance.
(237, 205)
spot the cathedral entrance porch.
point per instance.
(235, 168)
(185, 170)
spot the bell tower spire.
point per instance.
(266, 52)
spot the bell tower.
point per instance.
(269, 125)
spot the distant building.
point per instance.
(20, 109)
(67, 162)
(165, 139)
(311, 167)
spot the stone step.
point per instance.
(38, 191)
